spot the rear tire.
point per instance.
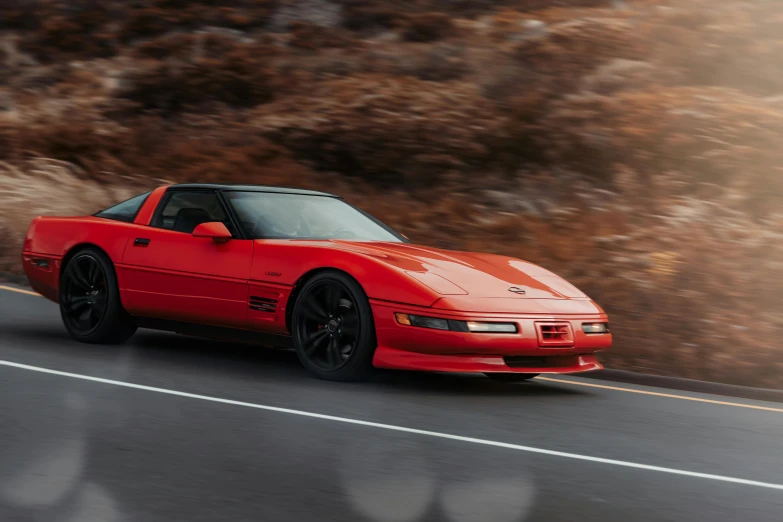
(511, 377)
(333, 329)
(90, 304)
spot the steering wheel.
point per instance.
(350, 233)
(260, 227)
(264, 227)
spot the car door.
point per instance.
(169, 274)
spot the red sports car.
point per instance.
(289, 267)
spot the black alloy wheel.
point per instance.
(89, 300)
(84, 294)
(332, 326)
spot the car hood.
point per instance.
(452, 273)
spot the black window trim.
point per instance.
(378, 222)
(232, 215)
(118, 217)
(157, 216)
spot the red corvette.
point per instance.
(298, 268)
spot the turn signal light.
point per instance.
(403, 319)
(422, 321)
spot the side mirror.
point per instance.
(214, 229)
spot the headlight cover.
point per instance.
(454, 326)
(475, 326)
(595, 328)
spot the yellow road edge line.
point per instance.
(19, 290)
(659, 394)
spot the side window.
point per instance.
(183, 211)
(125, 211)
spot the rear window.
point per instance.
(125, 211)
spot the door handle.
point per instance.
(141, 241)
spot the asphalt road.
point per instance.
(199, 439)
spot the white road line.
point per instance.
(402, 429)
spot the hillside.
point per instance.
(633, 147)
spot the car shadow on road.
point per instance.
(260, 362)
(35, 333)
(467, 384)
(252, 362)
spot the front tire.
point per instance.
(511, 377)
(90, 304)
(333, 329)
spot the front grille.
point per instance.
(263, 304)
(534, 361)
(555, 334)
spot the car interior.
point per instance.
(184, 211)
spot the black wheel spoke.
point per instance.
(349, 325)
(315, 340)
(79, 276)
(313, 311)
(94, 273)
(332, 296)
(333, 352)
(100, 305)
(345, 350)
(76, 303)
(85, 315)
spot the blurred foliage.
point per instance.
(631, 146)
(197, 70)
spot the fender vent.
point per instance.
(555, 334)
(262, 304)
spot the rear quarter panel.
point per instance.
(51, 238)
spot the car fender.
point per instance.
(49, 240)
(287, 262)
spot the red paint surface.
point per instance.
(181, 277)
(214, 230)
(145, 212)
(394, 336)
(403, 360)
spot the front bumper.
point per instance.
(416, 348)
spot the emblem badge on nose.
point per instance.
(516, 290)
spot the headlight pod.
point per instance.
(595, 328)
(454, 326)
(474, 326)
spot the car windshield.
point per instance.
(268, 215)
